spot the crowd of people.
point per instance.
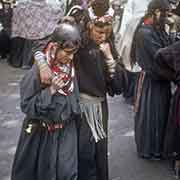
(72, 70)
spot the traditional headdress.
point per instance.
(105, 17)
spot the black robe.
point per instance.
(153, 105)
(44, 155)
(93, 80)
(21, 52)
(5, 43)
(167, 66)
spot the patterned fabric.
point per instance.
(34, 20)
(65, 70)
(108, 17)
(91, 108)
(139, 91)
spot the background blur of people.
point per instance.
(5, 30)
(133, 8)
(118, 7)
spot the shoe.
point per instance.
(177, 172)
(154, 158)
(26, 67)
(151, 157)
(177, 169)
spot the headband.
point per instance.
(107, 18)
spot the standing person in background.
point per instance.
(5, 42)
(48, 146)
(133, 8)
(5, 32)
(32, 20)
(118, 7)
(6, 14)
(133, 12)
(153, 93)
(167, 67)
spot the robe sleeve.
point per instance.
(35, 101)
(165, 65)
(119, 83)
(38, 45)
(148, 44)
(146, 47)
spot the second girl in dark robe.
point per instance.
(153, 92)
(167, 66)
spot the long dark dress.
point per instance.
(5, 43)
(44, 155)
(167, 66)
(154, 95)
(93, 81)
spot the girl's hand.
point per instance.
(105, 48)
(56, 84)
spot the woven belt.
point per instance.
(90, 99)
(43, 126)
(53, 127)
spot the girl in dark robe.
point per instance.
(47, 147)
(153, 93)
(94, 83)
(167, 66)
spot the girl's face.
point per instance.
(100, 34)
(65, 56)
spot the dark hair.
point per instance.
(162, 5)
(100, 7)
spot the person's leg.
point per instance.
(27, 56)
(102, 159)
(67, 166)
(15, 58)
(86, 153)
(26, 156)
(93, 160)
(4, 44)
(102, 148)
